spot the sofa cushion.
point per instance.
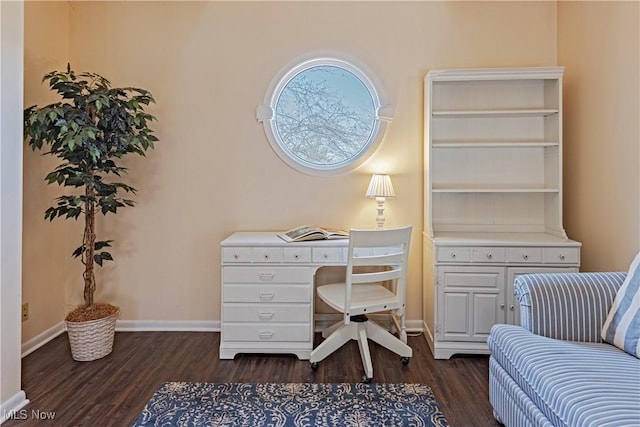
(622, 326)
(573, 383)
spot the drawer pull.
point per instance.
(525, 256)
(511, 307)
(266, 277)
(296, 256)
(326, 256)
(236, 256)
(562, 257)
(501, 306)
(266, 256)
(490, 256)
(453, 254)
(264, 296)
(265, 335)
(265, 316)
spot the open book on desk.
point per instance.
(305, 232)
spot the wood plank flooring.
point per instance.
(113, 390)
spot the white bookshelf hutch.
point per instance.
(493, 198)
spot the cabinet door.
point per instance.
(470, 301)
(513, 307)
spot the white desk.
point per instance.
(267, 292)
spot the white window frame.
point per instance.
(265, 113)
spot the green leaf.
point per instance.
(78, 251)
(102, 244)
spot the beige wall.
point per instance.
(599, 43)
(47, 247)
(213, 172)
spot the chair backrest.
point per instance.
(386, 251)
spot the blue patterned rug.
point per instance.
(293, 404)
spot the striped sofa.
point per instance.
(554, 369)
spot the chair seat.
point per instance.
(365, 298)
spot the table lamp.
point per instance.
(380, 187)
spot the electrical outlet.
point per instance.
(25, 311)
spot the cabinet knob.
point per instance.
(453, 254)
(525, 256)
(489, 256)
(235, 256)
(562, 257)
(296, 256)
(511, 307)
(326, 256)
(501, 306)
(266, 256)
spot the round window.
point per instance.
(323, 116)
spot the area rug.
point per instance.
(291, 404)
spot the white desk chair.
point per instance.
(365, 293)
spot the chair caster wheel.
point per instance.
(314, 366)
(366, 380)
(405, 361)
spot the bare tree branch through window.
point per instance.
(325, 115)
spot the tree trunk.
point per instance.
(88, 241)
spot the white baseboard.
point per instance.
(321, 322)
(41, 339)
(168, 325)
(11, 408)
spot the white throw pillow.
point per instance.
(622, 327)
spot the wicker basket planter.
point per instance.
(93, 339)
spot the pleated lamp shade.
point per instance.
(380, 186)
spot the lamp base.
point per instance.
(380, 217)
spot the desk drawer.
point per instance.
(266, 274)
(329, 255)
(267, 313)
(267, 254)
(274, 332)
(236, 254)
(267, 293)
(297, 254)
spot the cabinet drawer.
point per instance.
(453, 254)
(267, 254)
(561, 255)
(238, 254)
(471, 277)
(526, 255)
(267, 312)
(297, 254)
(321, 255)
(266, 274)
(254, 332)
(488, 254)
(266, 293)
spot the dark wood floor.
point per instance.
(113, 390)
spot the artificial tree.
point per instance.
(89, 130)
